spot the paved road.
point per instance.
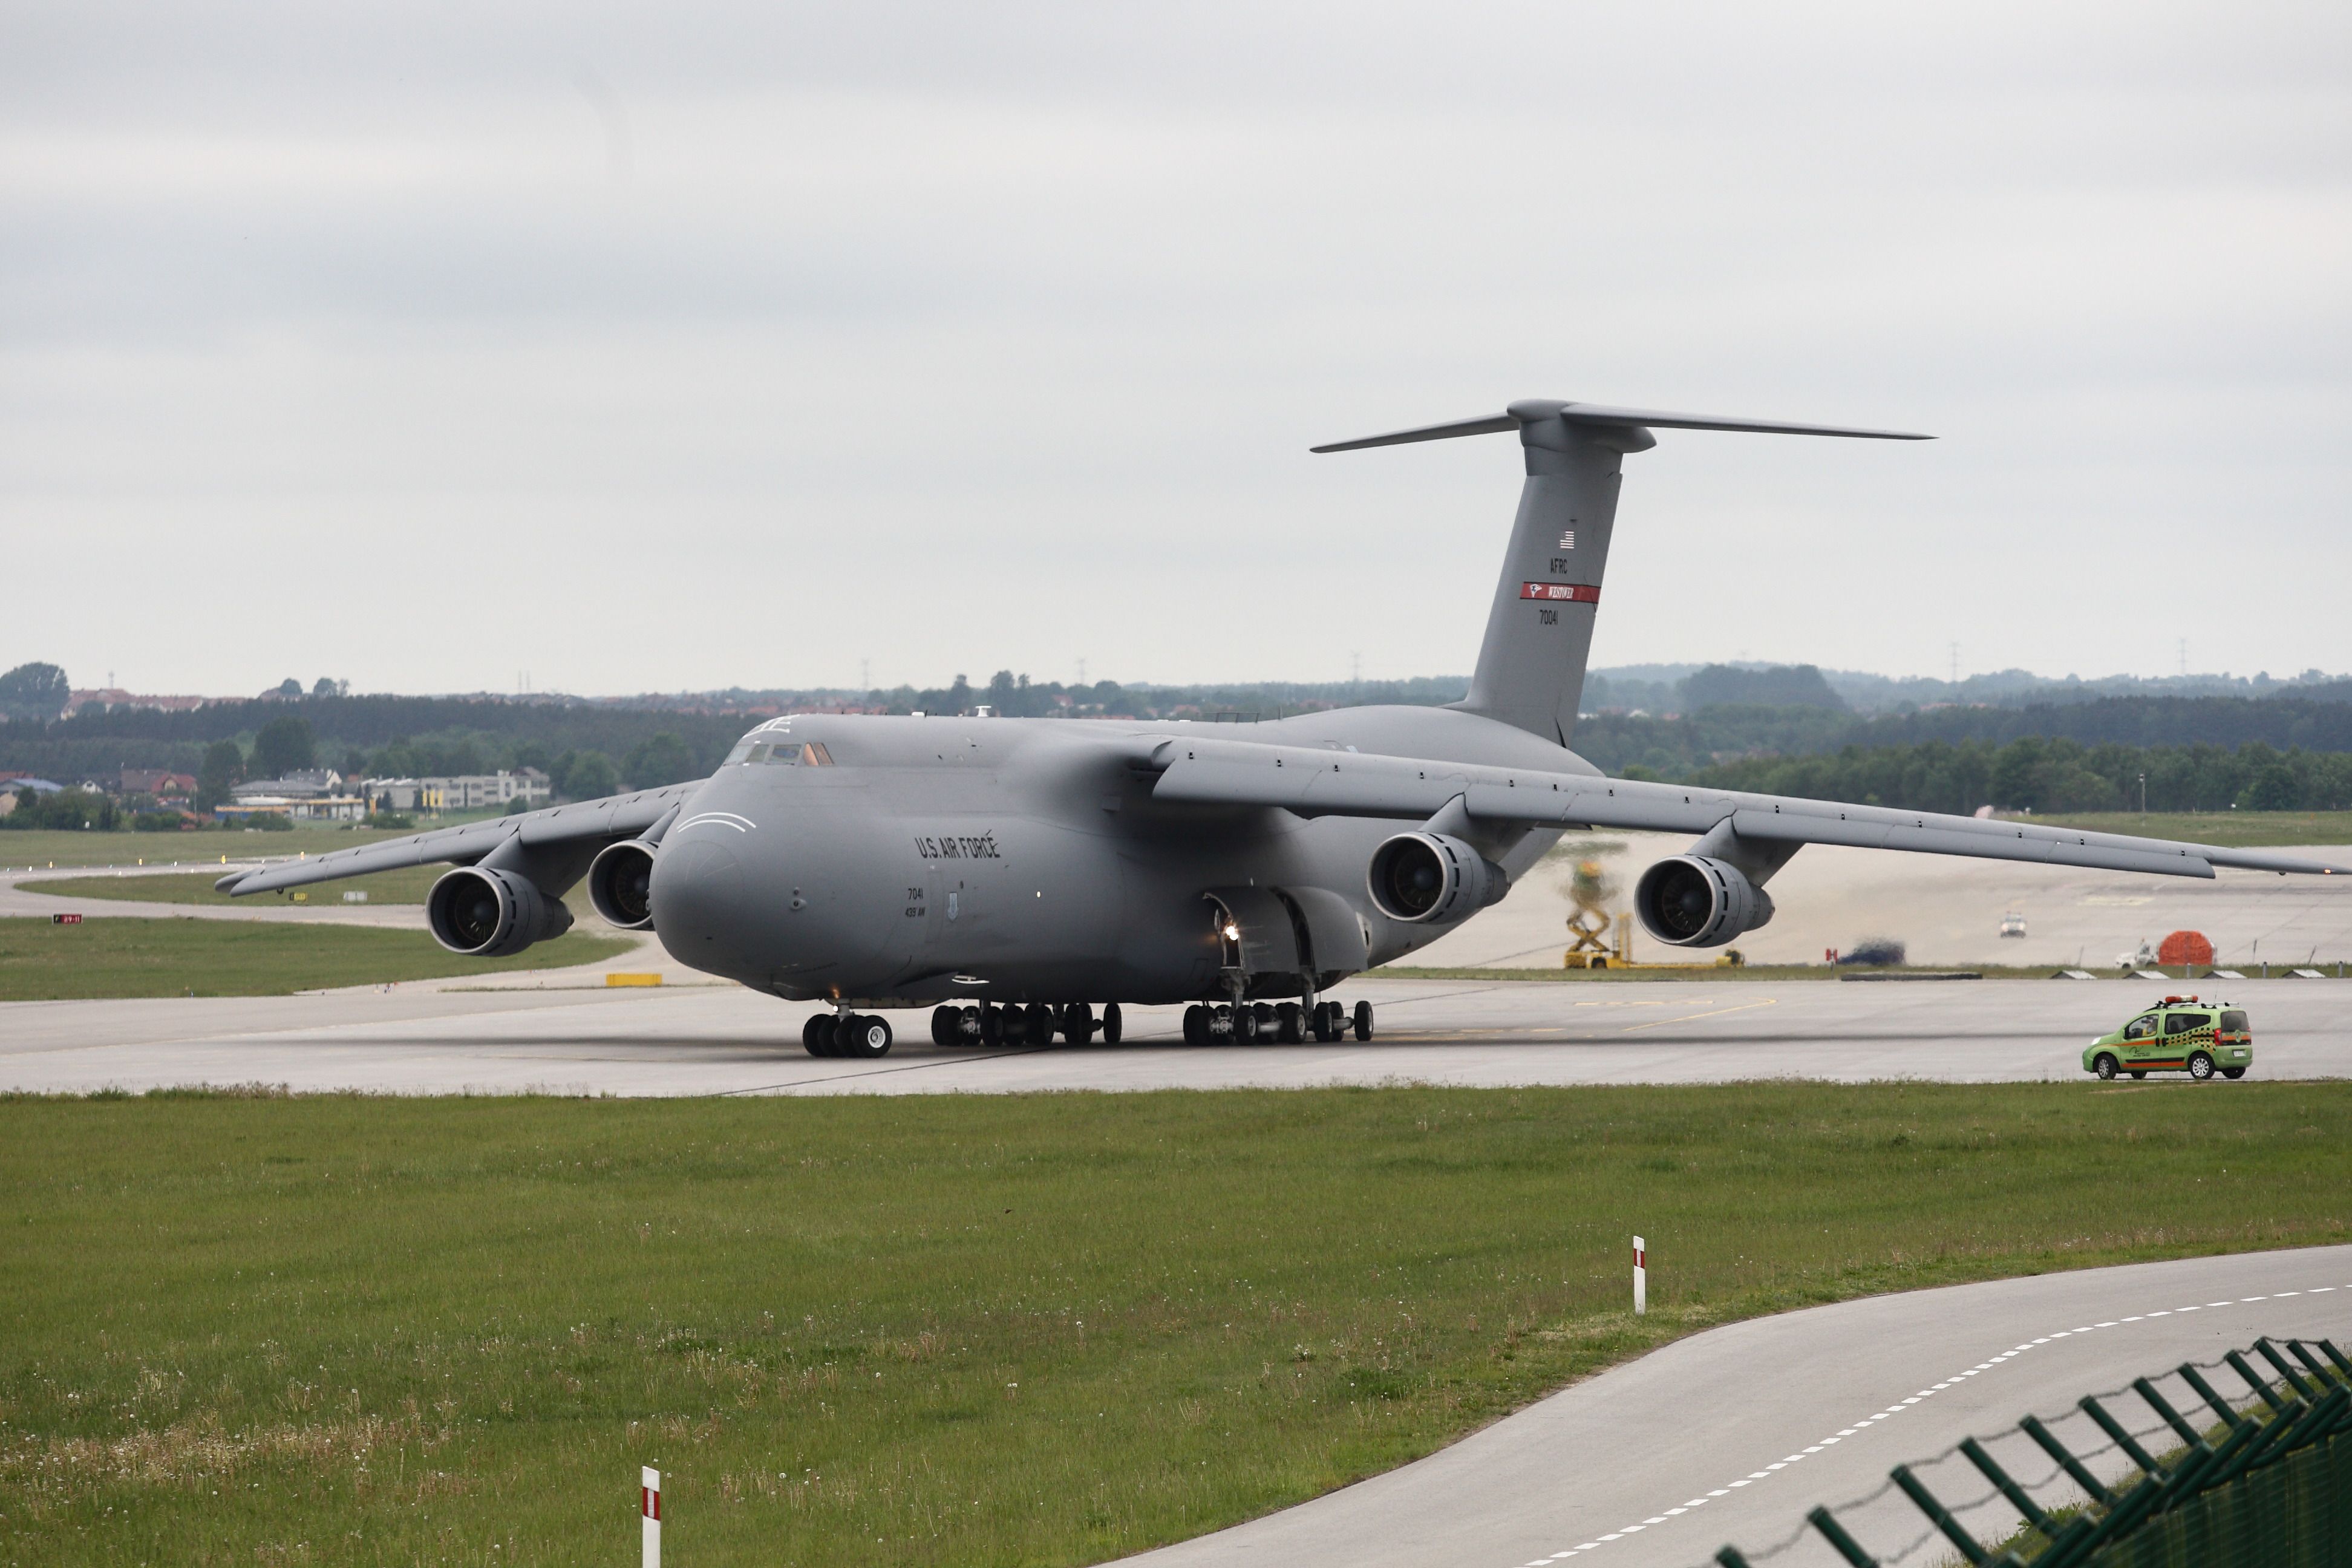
(442, 1038)
(1732, 1434)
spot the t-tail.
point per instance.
(1539, 632)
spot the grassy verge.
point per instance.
(1710, 972)
(406, 885)
(206, 847)
(128, 957)
(2234, 829)
(1033, 1330)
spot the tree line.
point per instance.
(2053, 776)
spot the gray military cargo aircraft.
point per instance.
(1017, 874)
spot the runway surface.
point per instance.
(440, 1038)
(1732, 1434)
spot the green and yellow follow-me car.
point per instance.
(2179, 1034)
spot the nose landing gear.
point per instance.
(1218, 1024)
(1036, 1025)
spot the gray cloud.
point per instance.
(960, 338)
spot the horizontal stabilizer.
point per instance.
(1529, 410)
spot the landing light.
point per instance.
(1232, 932)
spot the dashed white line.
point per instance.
(1895, 1409)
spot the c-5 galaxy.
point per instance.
(1019, 874)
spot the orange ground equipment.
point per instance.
(2185, 947)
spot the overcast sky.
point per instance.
(662, 347)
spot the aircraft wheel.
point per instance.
(1288, 1024)
(816, 1035)
(992, 1026)
(1245, 1025)
(1113, 1025)
(2233, 1072)
(1196, 1025)
(2104, 1067)
(946, 1026)
(2200, 1066)
(1042, 1024)
(862, 1035)
(1078, 1024)
(1363, 1020)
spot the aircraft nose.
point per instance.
(701, 905)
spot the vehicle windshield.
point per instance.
(2234, 1021)
(2140, 1028)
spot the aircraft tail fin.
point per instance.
(1540, 631)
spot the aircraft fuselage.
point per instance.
(1025, 860)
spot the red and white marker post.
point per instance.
(649, 1504)
(1641, 1277)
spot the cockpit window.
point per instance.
(781, 753)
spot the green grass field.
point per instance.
(206, 847)
(1712, 971)
(406, 885)
(970, 1330)
(115, 956)
(20, 850)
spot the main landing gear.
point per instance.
(1037, 1024)
(846, 1035)
(1286, 1022)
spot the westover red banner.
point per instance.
(1574, 593)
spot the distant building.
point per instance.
(307, 808)
(309, 784)
(115, 697)
(464, 791)
(158, 783)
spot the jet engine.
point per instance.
(1696, 900)
(491, 914)
(1421, 876)
(620, 884)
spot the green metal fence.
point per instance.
(2264, 1479)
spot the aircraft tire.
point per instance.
(1078, 1024)
(946, 1026)
(1288, 1024)
(992, 1026)
(816, 1035)
(1245, 1025)
(1042, 1025)
(1113, 1024)
(1196, 1025)
(863, 1034)
(1363, 1021)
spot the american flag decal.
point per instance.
(1571, 593)
(1567, 539)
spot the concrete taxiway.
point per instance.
(1732, 1434)
(437, 1037)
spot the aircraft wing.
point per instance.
(1321, 783)
(580, 824)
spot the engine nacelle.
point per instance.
(491, 914)
(621, 884)
(1696, 900)
(1417, 877)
